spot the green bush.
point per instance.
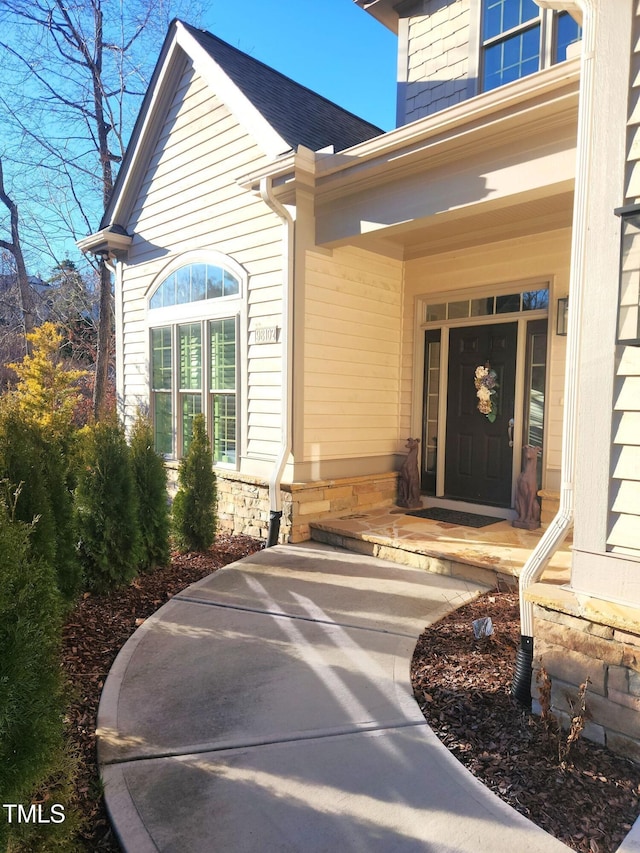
(33, 460)
(60, 789)
(22, 467)
(31, 697)
(58, 480)
(150, 478)
(106, 508)
(194, 506)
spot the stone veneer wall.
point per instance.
(243, 501)
(571, 648)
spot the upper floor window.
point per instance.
(194, 283)
(519, 38)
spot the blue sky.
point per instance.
(331, 46)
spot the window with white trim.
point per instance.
(194, 360)
(519, 38)
(222, 389)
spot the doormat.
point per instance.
(452, 516)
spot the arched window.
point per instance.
(193, 358)
(194, 283)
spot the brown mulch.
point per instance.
(589, 801)
(96, 630)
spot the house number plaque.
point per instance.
(266, 335)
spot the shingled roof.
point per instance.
(298, 115)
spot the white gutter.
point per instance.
(419, 137)
(286, 338)
(555, 534)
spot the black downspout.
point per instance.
(274, 527)
(521, 684)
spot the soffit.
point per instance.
(461, 229)
(384, 11)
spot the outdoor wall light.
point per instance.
(562, 316)
(628, 329)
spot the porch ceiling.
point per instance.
(458, 229)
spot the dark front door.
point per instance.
(478, 463)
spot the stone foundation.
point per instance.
(243, 506)
(577, 639)
(243, 501)
(324, 498)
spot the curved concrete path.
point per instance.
(269, 708)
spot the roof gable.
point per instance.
(277, 112)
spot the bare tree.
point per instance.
(81, 81)
(15, 248)
(70, 302)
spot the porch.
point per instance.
(492, 555)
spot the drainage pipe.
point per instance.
(557, 531)
(286, 338)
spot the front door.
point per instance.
(478, 455)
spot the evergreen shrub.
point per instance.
(31, 695)
(194, 506)
(48, 389)
(22, 468)
(106, 508)
(39, 414)
(33, 460)
(59, 479)
(150, 478)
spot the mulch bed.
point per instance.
(589, 801)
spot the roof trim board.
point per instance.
(550, 96)
(234, 98)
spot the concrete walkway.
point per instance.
(269, 708)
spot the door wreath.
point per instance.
(487, 391)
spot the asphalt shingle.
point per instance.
(299, 115)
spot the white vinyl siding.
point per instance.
(351, 354)
(189, 201)
(624, 533)
(624, 536)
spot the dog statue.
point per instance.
(409, 478)
(527, 505)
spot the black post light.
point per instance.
(628, 328)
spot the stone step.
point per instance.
(414, 557)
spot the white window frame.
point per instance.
(202, 312)
(548, 20)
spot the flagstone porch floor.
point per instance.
(493, 555)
